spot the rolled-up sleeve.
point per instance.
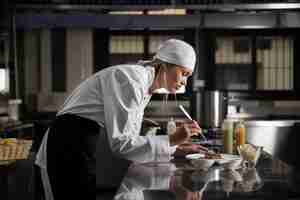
(123, 94)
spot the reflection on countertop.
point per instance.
(179, 180)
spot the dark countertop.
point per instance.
(172, 180)
(179, 180)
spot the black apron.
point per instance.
(71, 161)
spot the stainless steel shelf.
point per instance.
(209, 20)
(201, 7)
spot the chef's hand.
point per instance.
(184, 133)
(189, 148)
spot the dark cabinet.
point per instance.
(261, 63)
(234, 76)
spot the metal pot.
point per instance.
(279, 138)
(214, 108)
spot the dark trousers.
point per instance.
(71, 158)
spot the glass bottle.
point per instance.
(171, 127)
(240, 133)
(227, 129)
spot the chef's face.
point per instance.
(176, 77)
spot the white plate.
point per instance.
(194, 156)
(225, 157)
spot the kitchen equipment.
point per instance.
(210, 108)
(279, 138)
(214, 108)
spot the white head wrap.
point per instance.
(177, 52)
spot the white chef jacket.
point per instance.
(141, 177)
(115, 98)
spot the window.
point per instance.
(234, 70)
(126, 49)
(271, 68)
(275, 63)
(4, 76)
(3, 80)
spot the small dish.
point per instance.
(202, 163)
(250, 154)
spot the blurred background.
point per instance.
(247, 63)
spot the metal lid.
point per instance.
(272, 123)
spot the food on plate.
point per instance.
(212, 155)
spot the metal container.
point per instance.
(214, 109)
(277, 137)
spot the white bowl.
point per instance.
(233, 164)
(202, 163)
(250, 154)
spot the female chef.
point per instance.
(97, 129)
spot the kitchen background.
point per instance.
(246, 50)
(247, 66)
